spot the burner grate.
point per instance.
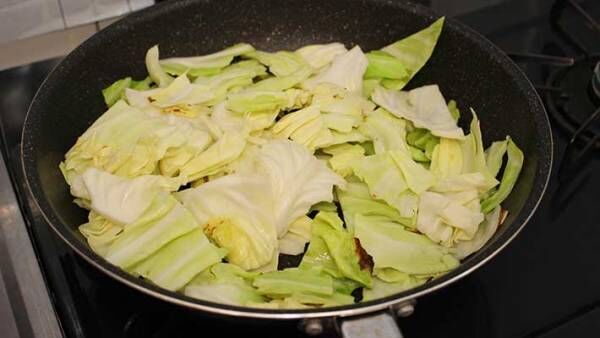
(572, 90)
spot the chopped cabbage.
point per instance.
(414, 51)
(298, 234)
(175, 264)
(392, 246)
(121, 200)
(485, 232)
(356, 199)
(226, 284)
(509, 177)
(341, 246)
(234, 211)
(198, 177)
(281, 63)
(155, 70)
(384, 65)
(425, 107)
(319, 56)
(116, 91)
(346, 71)
(205, 64)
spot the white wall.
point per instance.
(21, 19)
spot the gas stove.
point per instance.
(544, 284)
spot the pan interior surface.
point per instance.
(468, 69)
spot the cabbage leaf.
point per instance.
(226, 284)
(175, 264)
(414, 50)
(425, 107)
(319, 56)
(392, 246)
(346, 71)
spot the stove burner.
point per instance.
(576, 98)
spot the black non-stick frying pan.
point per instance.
(466, 66)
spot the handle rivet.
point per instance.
(312, 326)
(405, 310)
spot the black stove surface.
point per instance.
(546, 283)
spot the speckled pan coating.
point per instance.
(467, 67)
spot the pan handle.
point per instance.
(380, 325)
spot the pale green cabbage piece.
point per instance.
(383, 65)
(237, 75)
(164, 245)
(248, 102)
(282, 63)
(295, 239)
(414, 50)
(461, 164)
(485, 232)
(476, 153)
(386, 131)
(341, 247)
(353, 136)
(164, 220)
(235, 212)
(425, 107)
(226, 284)
(346, 71)
(422, 139)
(386, 182)
(369, 86)
(417, 177)
(494, 155)
(99, 232)
(510, 175)
(454, 111)
(324, 206)
(342, 157)
(333, 250)
(121, 200)
(317, 257)
(296, 288)
(129, 142)
(319, 56)
(330, 119)
(392, 246)
(301, 126)
(356, 199)
(207, 90)
(296, 179)
(447, 158)
(176, 263)
(214, 159)
(206, 64)
(294, 280)
(261, 107)
(440, 215)
(283, 82)
(180, 92)
(116, 91)
(343, 114)
(155, 71)
(418, 155)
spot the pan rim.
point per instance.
(338, 311)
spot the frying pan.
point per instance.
(466, 66)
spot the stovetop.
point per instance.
(546, 283)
